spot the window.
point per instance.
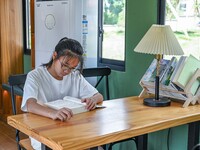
(26, 26)
(184, 18)
(112, 33)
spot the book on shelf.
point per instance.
(169, 69)
(178, 68)
(180, 79)
(72, 103)
(167, 92)
(175, 86)
(167, 88)
(150, 73)
(190, 66)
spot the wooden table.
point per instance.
(121, 119)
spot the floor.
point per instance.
(7, 137)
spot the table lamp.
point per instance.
(159, 40)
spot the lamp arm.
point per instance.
(157, 78)
(157, 87)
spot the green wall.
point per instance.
(141, 14)
(27, 63)
(138, 22)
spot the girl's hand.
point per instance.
(61, 114)
(90, 103)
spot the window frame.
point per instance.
(161, 12)
(113, 64)
(26, 24)
(162, 20)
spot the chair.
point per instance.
(99, 72)
(16, 83)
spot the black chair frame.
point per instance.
(99, 72)
(16, 83)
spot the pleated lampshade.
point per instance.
(159, 39)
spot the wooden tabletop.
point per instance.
(121, 119)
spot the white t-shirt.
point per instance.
(42, 86)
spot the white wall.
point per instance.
(63, 18)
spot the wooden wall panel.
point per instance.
(32, 8)
(11, 47)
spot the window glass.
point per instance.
(113, 46)
(184, 18)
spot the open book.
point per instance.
(72, 103)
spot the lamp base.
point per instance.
(157, 103)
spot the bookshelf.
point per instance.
(185, 94)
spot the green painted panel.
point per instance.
(141, 14)
(27, 63)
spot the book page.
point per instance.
(68, 102)
(73, 99)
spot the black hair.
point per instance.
(70, 48)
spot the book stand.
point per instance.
(168, 91)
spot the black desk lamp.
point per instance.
(159, 40)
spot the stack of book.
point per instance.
(176, 78)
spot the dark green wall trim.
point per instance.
(161, 12)
(27, 63)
